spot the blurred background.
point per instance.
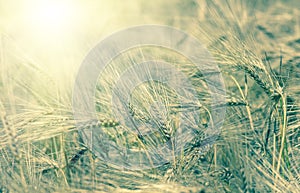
(58, 34)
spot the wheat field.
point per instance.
(256, 45)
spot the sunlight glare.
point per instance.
(52, 16)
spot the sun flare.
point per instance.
(52, 16)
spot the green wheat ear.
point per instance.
(98, 123)
(10, 134)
